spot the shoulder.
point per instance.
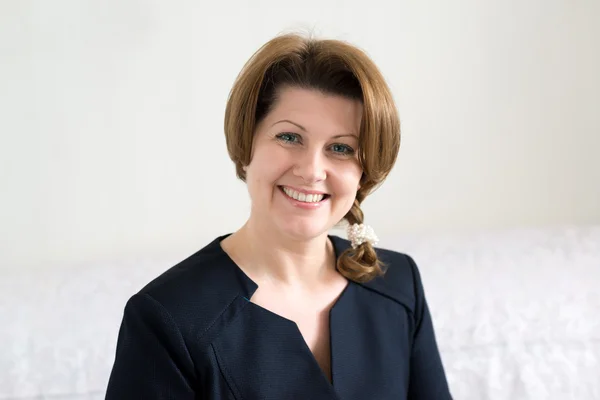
(196, 291)
(401, 281)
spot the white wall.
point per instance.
(111, 117)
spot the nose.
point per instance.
(310, 166)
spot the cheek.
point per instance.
(351, 177)
(347, 180)
(268, 164)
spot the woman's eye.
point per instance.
(342, 149)
(288, 137)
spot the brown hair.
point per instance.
(332, 67)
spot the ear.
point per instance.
(245, 167)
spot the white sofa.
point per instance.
(517, 316)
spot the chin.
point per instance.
(302, 230)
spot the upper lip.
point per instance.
(299, 190)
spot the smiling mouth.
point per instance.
(303, 197)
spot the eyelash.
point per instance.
(285, 137)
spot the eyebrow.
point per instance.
(304, 129)
(290, 122)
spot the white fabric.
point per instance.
(517, 316)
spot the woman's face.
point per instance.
(304, 172)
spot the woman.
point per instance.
(280, 309)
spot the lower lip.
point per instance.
(302, 204)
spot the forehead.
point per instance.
(314, 109)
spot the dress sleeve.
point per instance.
(427, 376)
(152, 361)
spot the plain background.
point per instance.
(111, 118)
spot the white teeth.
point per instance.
(306, 198)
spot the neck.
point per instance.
(283, 260)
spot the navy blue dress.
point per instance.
(192, 334)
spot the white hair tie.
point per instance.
(361, 233)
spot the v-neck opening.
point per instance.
(251, 286)
(298, 333)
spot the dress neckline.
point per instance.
(250, 286)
